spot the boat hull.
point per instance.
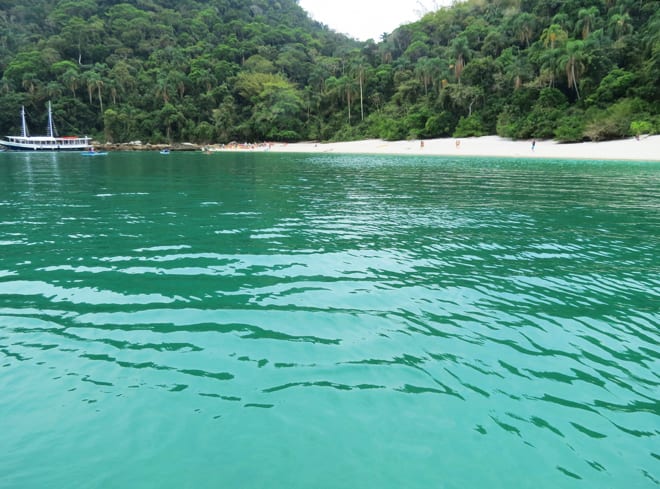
(57, 144)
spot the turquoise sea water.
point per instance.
(328, 321)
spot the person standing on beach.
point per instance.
(533, 144)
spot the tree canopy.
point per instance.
(221, 70)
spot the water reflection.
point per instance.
(512, 300)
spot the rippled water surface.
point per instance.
(328, 321)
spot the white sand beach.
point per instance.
(646, 148)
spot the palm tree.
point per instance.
(170, 116)
(549, 60)
(553, 35)
(524, 25)
(99, 84)
(342, 88)
(573, 63)
(563, 20)
(586, 20)
(461, 51)
(94, 82)
(90, 81)
(179, 80)
(361, 81)
(347, 85)
(520, 67)
(163, 88)
(423, 70)
(54, 90)
(122, 77)
(71, 78)
(620, 25)
(113, 91)
(357, 70)
(30, 82)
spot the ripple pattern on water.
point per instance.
(407, 312)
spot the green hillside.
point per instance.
(255, 70)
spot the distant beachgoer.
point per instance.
(458, 143)
(533, 144)
(421, 144)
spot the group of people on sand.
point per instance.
(236, 146)
(458, 144)
(421, 144)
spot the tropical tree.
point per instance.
(53, 89)
(424, 72)
(202, 79)
(171, 118)
(277, 114)
(465, 97)
(524, 25)
(94, 82)
(27, 69)
(123, 77)
(163, 88)
(553, 36)
(342, 88)
(460, 52)
(620, 25)
(564, 21)
(573, 62)
(30, 82)
(227, 70)
(358, 71)
(587, 18)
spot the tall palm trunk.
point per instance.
(361, 95)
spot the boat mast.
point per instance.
(24, 131)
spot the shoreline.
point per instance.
(631, 149)
(646, 148)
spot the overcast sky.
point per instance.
(365, 19)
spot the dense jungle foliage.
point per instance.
(253, 70)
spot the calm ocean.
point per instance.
(257, 320)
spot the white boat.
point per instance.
(49, 142)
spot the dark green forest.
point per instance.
(215, 71)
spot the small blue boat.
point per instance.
(94, 153)
(164, 151)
